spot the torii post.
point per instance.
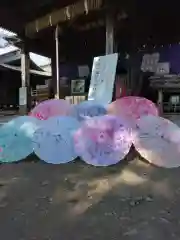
(24, 90)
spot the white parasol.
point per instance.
(53, 142)
(158, 141)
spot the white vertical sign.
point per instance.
(22, 96)
(102, 78)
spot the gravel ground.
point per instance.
(132, 200)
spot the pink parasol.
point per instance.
(158, 141)
(50, 108)
(132, 107)
(103, 140)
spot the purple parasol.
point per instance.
(103, 140)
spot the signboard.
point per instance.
(78, 86)
(150, 62)
(102, 78)
(163, 68)
(23, 96)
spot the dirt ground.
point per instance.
(76, 201)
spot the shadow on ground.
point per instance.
(80, 202)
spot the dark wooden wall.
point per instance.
(10, 82)
(78, 49)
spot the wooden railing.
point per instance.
(40, 94)
(76, 99)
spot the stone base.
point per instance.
(23, 110)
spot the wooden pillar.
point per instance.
(55, 84)
(53, 66)
(24, 90)
(160, 101)
(57, 62)
(110, 42)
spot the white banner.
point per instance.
(102, 78)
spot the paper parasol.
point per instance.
(132, 107)
(53, 142)
(103, 141)
(16, 138)
(158, 141)
(87, 109)
(50, 108)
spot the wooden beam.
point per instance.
(35, 72)
(109, 33)
(10, 57)
(62, 15)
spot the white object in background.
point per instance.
(23, 96)
(102, 78)
(83, 71)
(163, 68)
(150, 62)
(3, 42)
(174, 100)
(41, 87)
